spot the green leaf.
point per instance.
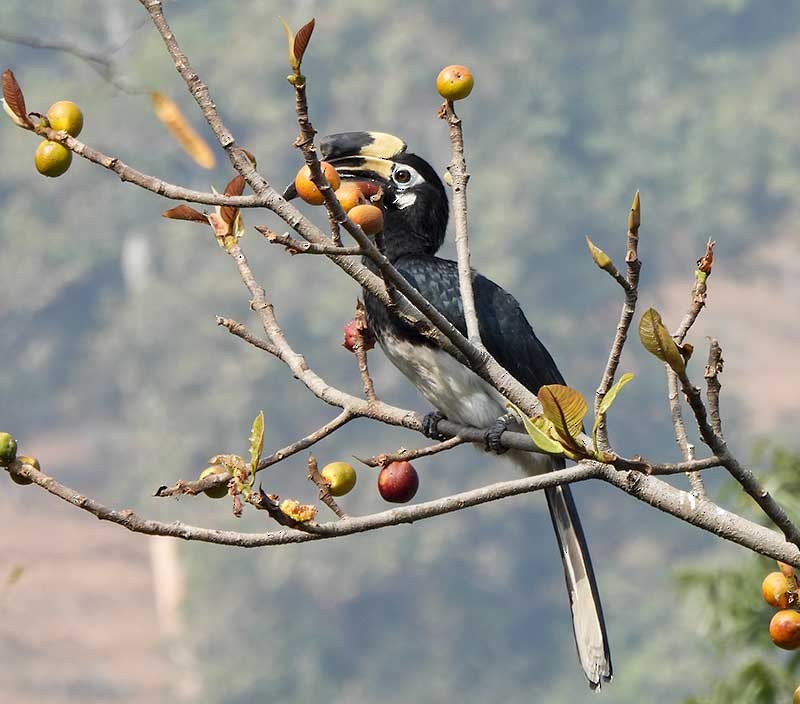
(611, 396)
(539, 437)
(565, 408)
(256, 444)
(599, 257)
(657, 341)
(293, 62)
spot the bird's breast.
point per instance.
(457, 392)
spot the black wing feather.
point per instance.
(505, 331)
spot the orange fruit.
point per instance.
(368, 217)
(784, 629)
(307, 190)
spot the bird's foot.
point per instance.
(492, 437)
(429, 426)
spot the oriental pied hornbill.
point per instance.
(415, 220)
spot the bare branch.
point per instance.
(460, 177)
(699, 512)
(712, 371)
(294, 246)
(406, 455)
(241, 331)
(625, 317)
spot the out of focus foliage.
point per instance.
(734, 617)
(115, 375)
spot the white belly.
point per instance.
(457, 392)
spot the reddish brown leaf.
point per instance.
(301, 40)
(235, 187)
(184, 212)
(12, 94)
(705, 262)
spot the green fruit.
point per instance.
(216, 492)
(65, 115)
(18, 478)
(341, 477)
(8, 449)
(52, 159)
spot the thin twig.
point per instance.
(360, 347)
(713, 369)
(294, 246)
(696, 304)
(460, 178)
(405, 454)
(324, 490)
(634, 266)
(242, 331)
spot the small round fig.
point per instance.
(784, 629)
(65, 115)
(340, 476)
(775, 590)
(215, 492)
(307, 190)
(8, 449)
(455, 82)
(18, 478)
(796, 697)
(351, 337)
(52, 159)
(349, 196)
(398, 482)
(368, 217)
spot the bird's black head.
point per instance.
(415, 200)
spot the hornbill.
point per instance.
(415, 220)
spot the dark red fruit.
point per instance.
(398, 482)
(351, 337)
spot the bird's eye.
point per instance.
(402, 176)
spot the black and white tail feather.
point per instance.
(588, 625)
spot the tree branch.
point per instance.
(460, 177)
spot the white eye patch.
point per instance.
(405, 177)
(404, 200)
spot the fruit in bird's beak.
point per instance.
(340, 476)
(368, 217)
(784, 629)
(18, 478)
(455, 82)
(52, 159)
(307, 190)
(215, 492)
(349, 196)
(65, 115)
(398, 482)
(351, 334)
(8, 448)
(775, 590)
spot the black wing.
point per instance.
(505, 331)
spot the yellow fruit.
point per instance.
(341, 477)
(454, 82)
(8, 449)
(18, 478)
(65, 115)
(349, 196)
(796, 697)
(307, 190)
(368, 217)
(775, 590)
(52, 159)
(784, 629)
(216, 492)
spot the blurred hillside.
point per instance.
(116, 376)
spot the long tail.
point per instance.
(587, 613)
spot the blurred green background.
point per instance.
(115, 375)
